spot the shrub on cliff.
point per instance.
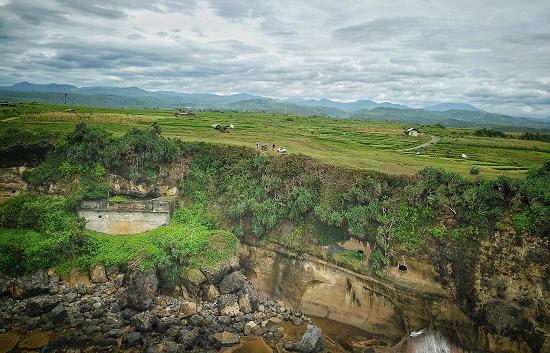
(44, 233)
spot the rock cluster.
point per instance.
(217, 306)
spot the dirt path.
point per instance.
(12, 118)
(432, 141)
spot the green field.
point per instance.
(358, 144)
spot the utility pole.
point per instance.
(66, 94)
(285, 108)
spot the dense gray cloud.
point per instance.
(493, 54)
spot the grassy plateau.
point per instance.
(372, 145)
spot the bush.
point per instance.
(474, 170)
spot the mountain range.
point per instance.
(447, 114)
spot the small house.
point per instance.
(183, 113)
(412, 132)
(7, 104)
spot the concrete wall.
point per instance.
(123, 222)
(125, 217)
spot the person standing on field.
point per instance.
(257, 145)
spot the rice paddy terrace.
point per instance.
(381, 146)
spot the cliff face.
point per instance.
(502, 284)
(487, 304)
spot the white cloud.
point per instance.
(492, 54)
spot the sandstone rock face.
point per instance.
(142, 288)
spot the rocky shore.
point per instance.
(122, 310)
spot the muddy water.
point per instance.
(339, 338)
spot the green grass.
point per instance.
(358, 144)
(190, 240)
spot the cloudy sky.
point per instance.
(492, 54)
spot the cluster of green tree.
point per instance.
(535, 136)
(258, 193)
(394, 213)
(89, 152)
(490, 133)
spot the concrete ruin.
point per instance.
(125, 217)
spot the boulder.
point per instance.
(37, 306)
(192, 281)
(133, 339)
(312, 340)
(4, 284)
(188, 338)
(188, 309)
(31, 285)
(228, 305)
(249, 327)
(144, 321)
(57, 315)
(232, 283)
(210, 293)
(216, 272)
(244, 303)
(227, 338)
(111, 272)
(142, 288)
(98, 274)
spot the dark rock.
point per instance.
(58, 314)
(91, 329)
(172, 347)
(228, 305)
(115, 333)
(188, 338)
(142, 288)
(144, 321)
(133, 339)
(209, 292)
(38, 305)
(31, 285)
(215, 273)
(128, 313)
(192, 280)
(312, 340)
(166, 322)
(4, 284)
(70, 297)
(232, 283)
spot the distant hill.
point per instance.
(445, 114)
(345, 106)
(452, 118)
(445, 107)
(32, 87)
